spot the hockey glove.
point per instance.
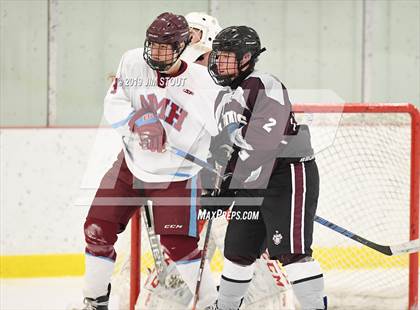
(221, 148)
(216, 197)
(150, 130)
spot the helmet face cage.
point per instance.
(223, 67)
(161, 56)
(166, 39)
(238, 40)
(196, 31)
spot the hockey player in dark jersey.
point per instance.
(265, 154)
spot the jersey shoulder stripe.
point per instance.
(273, 88)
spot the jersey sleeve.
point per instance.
(262, 138)
(208, 98)
(118, 108)
(207, 91)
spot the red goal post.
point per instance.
(363, 108)
(414, 167)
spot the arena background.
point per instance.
(55, 60)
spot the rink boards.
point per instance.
(49, 177)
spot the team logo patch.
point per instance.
(277, 238)
(187, 91)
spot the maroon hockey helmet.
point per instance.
(166, 39)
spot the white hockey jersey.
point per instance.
(184, 104)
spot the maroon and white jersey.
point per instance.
(184, 104)
(264, 130)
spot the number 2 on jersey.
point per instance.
(271, 123)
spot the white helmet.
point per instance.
(209, 27)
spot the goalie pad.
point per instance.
(269, 288)
(174, 295)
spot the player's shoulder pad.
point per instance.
(201, 77)
(198, 70)
(268, 80)
(272, 85)
(133, 56)
(132, 63)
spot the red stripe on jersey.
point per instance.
(298, 214)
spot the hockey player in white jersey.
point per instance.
(156, 100)
(203, 29)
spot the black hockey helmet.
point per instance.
(238, 40)
(168, 29)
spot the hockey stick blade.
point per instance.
(406, 247)
(411, 246)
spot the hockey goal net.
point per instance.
(368, 157)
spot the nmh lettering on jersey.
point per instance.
(166, 109)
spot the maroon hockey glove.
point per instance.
(150, 130)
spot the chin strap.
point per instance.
(242, 76)
(253, 57)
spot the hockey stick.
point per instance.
(193, 159)
(206, 241)
(406, 247)
(202, 263)
(147, 215)
(390, 250)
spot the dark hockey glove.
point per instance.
(218, 197)
(214, 185)
(221, 148)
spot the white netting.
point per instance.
(365, 186)
(364, 165)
